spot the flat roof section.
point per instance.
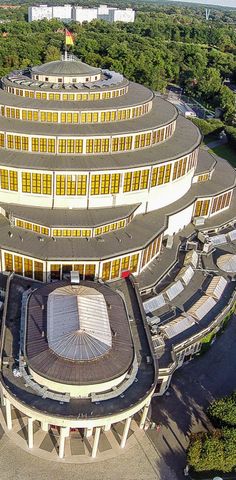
(65, 217)
(137, 94)
(178, 145)
(44, 361)
(162, 113)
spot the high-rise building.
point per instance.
(80, 14)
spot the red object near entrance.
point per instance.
(126, 274)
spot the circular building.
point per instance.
(97, 177)
(95, 170)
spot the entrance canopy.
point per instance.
(78, 325)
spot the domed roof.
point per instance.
(78, 325)
(68, 67)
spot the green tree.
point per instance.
(52, 53)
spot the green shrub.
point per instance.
(213, 451)
(223, 411)
(207, 127)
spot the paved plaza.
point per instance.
(155, 456)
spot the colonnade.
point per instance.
(65, 430)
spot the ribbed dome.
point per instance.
(69, 67)
(78, 325)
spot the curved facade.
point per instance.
(88, 161)
(97, 176)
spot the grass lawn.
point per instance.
(227, 152)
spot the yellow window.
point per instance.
(134, 262)
(71, 185)
(35, 144)
(8, 258)
(115, 269)
(17, 139)
(18, 264)
(10, 143)
(105, 184)
(105, 144)
(70, 146)
(89, 146)
(55, 117)
(38, 271)
(144, 179)
(35, 116)
(167, 173)
(154, 177)
(36, 228)
(43, 117)
(26, 182)
(161, 175)
(62, 146)
(95, 184)
(13, 181)
(36, 183)
(4, 179)
(28, 268)
(63, 117)
(106, 269)
(60, 184)
(98, 231)
(95, 117)
(28, 226)
(43, 144)
(136, 180)
(137, 141)
(25, 143)
(125, 263)
(75, 118)
(127, 182)
(81, 184)
(2, 140)
(79, 145)
(115, 183)
(19, 223)
(115, 143)
(97, 145)
(51, 145)
(45, 230)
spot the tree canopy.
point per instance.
(164, 45)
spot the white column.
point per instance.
(88, 432)
(96, 440)
(107, 427)
(8, 414)
(144, 416)
(3, 400)
(125, 432)
(30, 432)
(64, 432)
(44, 426)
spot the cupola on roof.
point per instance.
(63, 67)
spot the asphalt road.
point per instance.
(196, 384)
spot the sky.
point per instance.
(220, 3)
